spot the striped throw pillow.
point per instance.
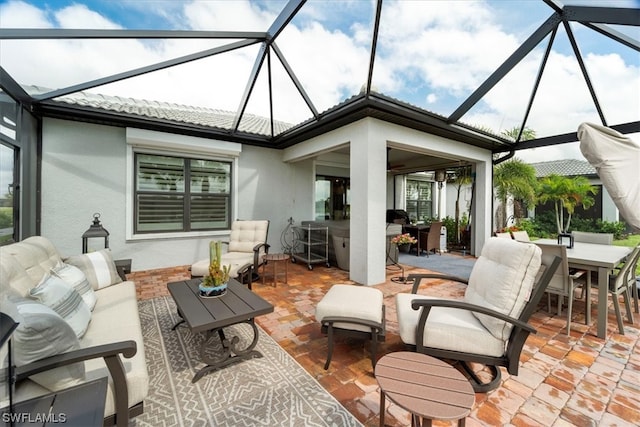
(64, 300)
(77, 279)
(98, 267)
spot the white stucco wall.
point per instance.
(84, 171)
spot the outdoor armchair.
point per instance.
(247, 245)
(489, 325)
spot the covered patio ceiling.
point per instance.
(293, 70)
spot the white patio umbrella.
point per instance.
(617, 162)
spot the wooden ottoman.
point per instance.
(355, 311)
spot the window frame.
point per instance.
(418, 202)
(183, 147)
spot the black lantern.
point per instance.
(95, 231)
(565, 239)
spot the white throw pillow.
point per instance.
(98, 267)
(58, 295)
(42, 333)
(78, 280)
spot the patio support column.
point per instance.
(482, 208)
(368, 205)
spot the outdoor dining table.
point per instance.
(600, 258)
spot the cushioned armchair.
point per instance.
(247, 246)
(489, 325)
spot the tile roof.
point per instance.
(209, 117)
(565, 167)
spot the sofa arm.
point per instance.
(110, 353)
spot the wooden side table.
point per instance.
(78, 406)
(274, 260)
(425, 386)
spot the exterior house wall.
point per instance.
(84, 171)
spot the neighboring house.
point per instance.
(604, 208)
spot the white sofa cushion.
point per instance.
(235, 260)
(62, 298)
(450, 329)
(36, 255)
(77, 279)
(359, 302)
(41, 333)
(502, 279)
(98, 266)
(245, 235)
(108, 327)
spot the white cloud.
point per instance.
(433, 51)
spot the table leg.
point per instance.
(588, 299)
(275, 273)
(603, 299)
(286, 271)
(382, 408)
(231, 353)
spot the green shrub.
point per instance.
(6, 217)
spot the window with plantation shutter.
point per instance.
(175, 194)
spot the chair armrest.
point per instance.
(417, 278)
(256, 254)
(427, 304)
(257, 247)
(110, 353)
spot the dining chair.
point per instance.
(520, 236)
(588, 237)
(621, 284)
(564, 282)
(430, 240)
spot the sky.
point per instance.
(431, 54)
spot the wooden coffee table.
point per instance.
(211, 315)
(425, 386)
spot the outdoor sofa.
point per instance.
(110, 344)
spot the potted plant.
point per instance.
(215, 283)
(404, 241)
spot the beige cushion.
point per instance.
(233, 259)
(98, 266)
(450, 329)
(502, 279)
(64, 300)
(245, 235)
(36, 255)
(105, 328)
(14, 279)
(355, 301)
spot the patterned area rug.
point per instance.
(273, 390)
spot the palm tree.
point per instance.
(462, 177)
(566, 193)
(517, 180)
